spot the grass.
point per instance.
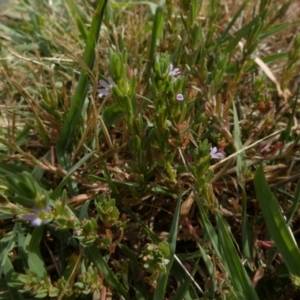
(149, 150)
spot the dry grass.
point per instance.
(39, 73)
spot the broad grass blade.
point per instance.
(225, 250)
(230, 258)
(35, 261)
(77, 103)
(158, 20)
(279, 231)
(8, 269)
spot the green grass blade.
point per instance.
(185, 288)
(127, 4)
(294, 206)
(157, 24)
(96, 257)
(141, 292)
(12, 168)
(111, 114)
(241, 33)
(287, 133)
(80, 18)
(177, 269)
(233, 21)
(181, 277)
(21, 242)
(163, 279)
(276, 29)
(279, 231)
(274, 57)
(241, 168)
(35, 260)
(77, 103)
(247, 234)
(241, 164)
(57, 191)
(230, 258)
(8, 270)
(224, 248)
(213, 237)
(210, 269)
(6, 246)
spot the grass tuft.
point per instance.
(149, 150)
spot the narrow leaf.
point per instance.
(56, 192)
(74, 113)
(35, 260)
(163, 279)
(230, 258)
(96, 257)
(279, 231)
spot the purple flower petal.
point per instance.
(174, 72)
(28, 217)
(37, 217)
(48, 208)
(179, 97)
(215, 154)
(103, 83)
(37, 222)
(110, 82)
(104, 92)
(107, 86)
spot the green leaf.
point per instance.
(231, 23)
(8, 270)
(157, 22)
(294, 206)
(80, 18)
(231, 260)
(213, 237)
(163, 279)
(152, 6)
(183, 292)
(287, 132)
(57, 191)
(111, 114)
(279, 231)
(35, 260)
(141, 292)
(74, 113)
(96, 257)
(182, 277)
(84, 214)
(240, 34)
(241, 163)
(271, 31)
(6, 246)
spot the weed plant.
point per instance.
(149, 149)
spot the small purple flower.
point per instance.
(175, 73)
(38, 216)
(179, 97)
(215, 154)
(107, 86)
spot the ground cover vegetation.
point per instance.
(149, 150)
